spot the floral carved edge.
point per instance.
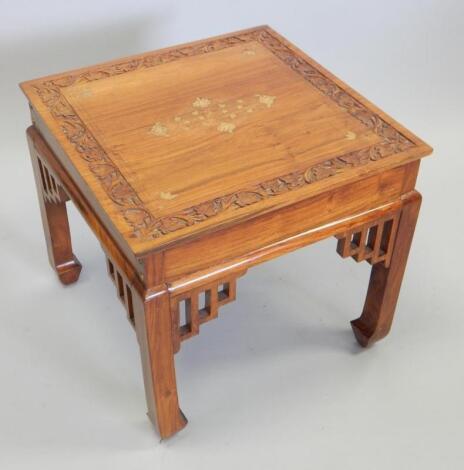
(145, 225)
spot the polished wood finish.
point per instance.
(291, 130)
(52, 201)
(154, 333)
(199, 305)
(372, 242)
(258, 233)
(385, 282)
(192, 164)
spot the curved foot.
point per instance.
(385, 281)
(69, 272)
(52, 201)
(365, 337)
(171, 430)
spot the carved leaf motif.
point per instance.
(294, 180)
(145, 225)
(173, 223)
(346, 101)
(96, 75)
(123, 193)
(275, 186)
(208, 209)
(68, 80)
(283, 184)
(246, 198)
(87, 144)
(365, 117)
(48, 94)
(177, 54)
(73, 129)
(359, 158)
(102, 170)
(124, 67)
(91, 154)
(387, 131)
(151, 60)
(328, 88)
(225, 202)
(320, 172)
(137, 217)
(62, 108)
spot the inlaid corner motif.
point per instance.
(145, 225)
(221, 115)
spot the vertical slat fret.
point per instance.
(123, 289)
(354, 244)
(343, 245)
(212, 301)
(192, 314)
(196, 316)
(376, 246)
(51, 187)
(129, 305)
(362, 244)
(232, 290)
(391, 241)
(47, 178)
(42, 175)
(371, 242)
(175, 319)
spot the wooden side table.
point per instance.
(193, 163)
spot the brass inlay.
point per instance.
(159, 129)
(167, 196)
(266, 99)
(249, 52)
(350, 135)
(201, 103)
(226, 127)
(224, 116)
(86, 92)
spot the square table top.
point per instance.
(188, 139)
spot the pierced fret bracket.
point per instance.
(52, 201)
(123, 288)
(192, 185)
(371, 242)
(51, 186)
(190, 309)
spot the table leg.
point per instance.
(52, 200)
(385, 282)
(153, 325)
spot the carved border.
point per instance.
(144, 224)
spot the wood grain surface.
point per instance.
(177, 142)
(192, 164)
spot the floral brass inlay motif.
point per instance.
(167, 196)
(201, 103)
(220, 115)
(249, 52)
(226, 127)
(159, 130)
(350, 135)
(143, 223)
(266, 99)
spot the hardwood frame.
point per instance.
(138, 229)
(372, 217)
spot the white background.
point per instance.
(277, 381)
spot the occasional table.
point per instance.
(193, 163)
